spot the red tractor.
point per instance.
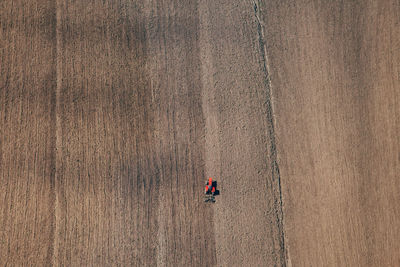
(210, 190)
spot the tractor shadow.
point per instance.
(214, 184)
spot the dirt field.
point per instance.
(335, 74)
(113, 114)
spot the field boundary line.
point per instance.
(275, 173)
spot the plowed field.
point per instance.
(114, 113)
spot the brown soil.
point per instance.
(113, 114)
(335, 77)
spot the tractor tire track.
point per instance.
(273, 161)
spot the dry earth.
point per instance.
(335, 74)
(113, 113)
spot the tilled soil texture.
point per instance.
(27, 132)
(102, 151)
(335, 77)
(114, 113)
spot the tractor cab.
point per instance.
(210, 190)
